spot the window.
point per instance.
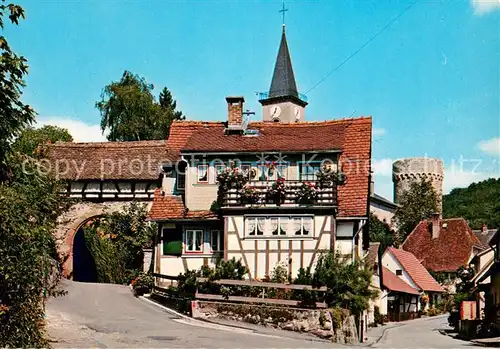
(274, 225)
(194, 241)
(218, 170)
(279, 226)
(171, 239)
(181, 175)
(308, 170)
(399, 272)
(307, 226)
(202, 173)
(281, 171)
(216, 238)
(246, 170)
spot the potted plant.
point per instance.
(307, 194)
(277, 192)
(249, 195)
(328, 178)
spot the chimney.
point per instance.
(235, 113)
(436, 226)
(484, 229)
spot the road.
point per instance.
(105, 316)
(420, 333)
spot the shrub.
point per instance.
(348, 282)
(433, 312)
(143, 284)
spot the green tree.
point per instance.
(348, 282)
(416, 204)
(381, 232)
(31, 139)
(116, 242)
(478, 203)
(130, 112)
(29, 205)
(15, 114)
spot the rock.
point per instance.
(289, 326)
(323, 334)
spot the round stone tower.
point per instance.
(406, 171)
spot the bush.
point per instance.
(433, 312)
(143, 284)
(29, 206)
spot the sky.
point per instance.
(427, 71)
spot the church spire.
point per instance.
(283, 82)
(283, 103)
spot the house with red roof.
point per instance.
(269, 192)
(404, 282)
(443, 245)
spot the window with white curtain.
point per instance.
(193, 241)
(283, 226)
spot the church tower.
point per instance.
(283, 103)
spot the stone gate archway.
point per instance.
(70, 222)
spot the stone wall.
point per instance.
(320, 322)
(407, 171)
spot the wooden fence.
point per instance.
(164, 282)
(261, 300)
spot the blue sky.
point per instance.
(431, 80)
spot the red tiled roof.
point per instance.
(449, 251)
(351, 137)
(416, 270)
(171, 207)
(107, 160)
(273, 137)
(392, 282)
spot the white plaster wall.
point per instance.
(344, 247)
(391, 263)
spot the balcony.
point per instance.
(263, 195)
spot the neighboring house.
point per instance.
(483, 259)
(404, 280)
(381, 207)
(488, 285)
(443, 245)
(281, 148)
(372, 260)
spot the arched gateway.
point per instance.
(102, 178)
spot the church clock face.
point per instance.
(275, 111)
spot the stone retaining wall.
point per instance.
(315, 321)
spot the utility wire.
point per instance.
(362, 46)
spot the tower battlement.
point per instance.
(407, 171)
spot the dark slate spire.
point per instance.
(283, 83)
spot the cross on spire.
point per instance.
(283, 12)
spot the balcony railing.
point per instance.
(265, 95)
(326, 197)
